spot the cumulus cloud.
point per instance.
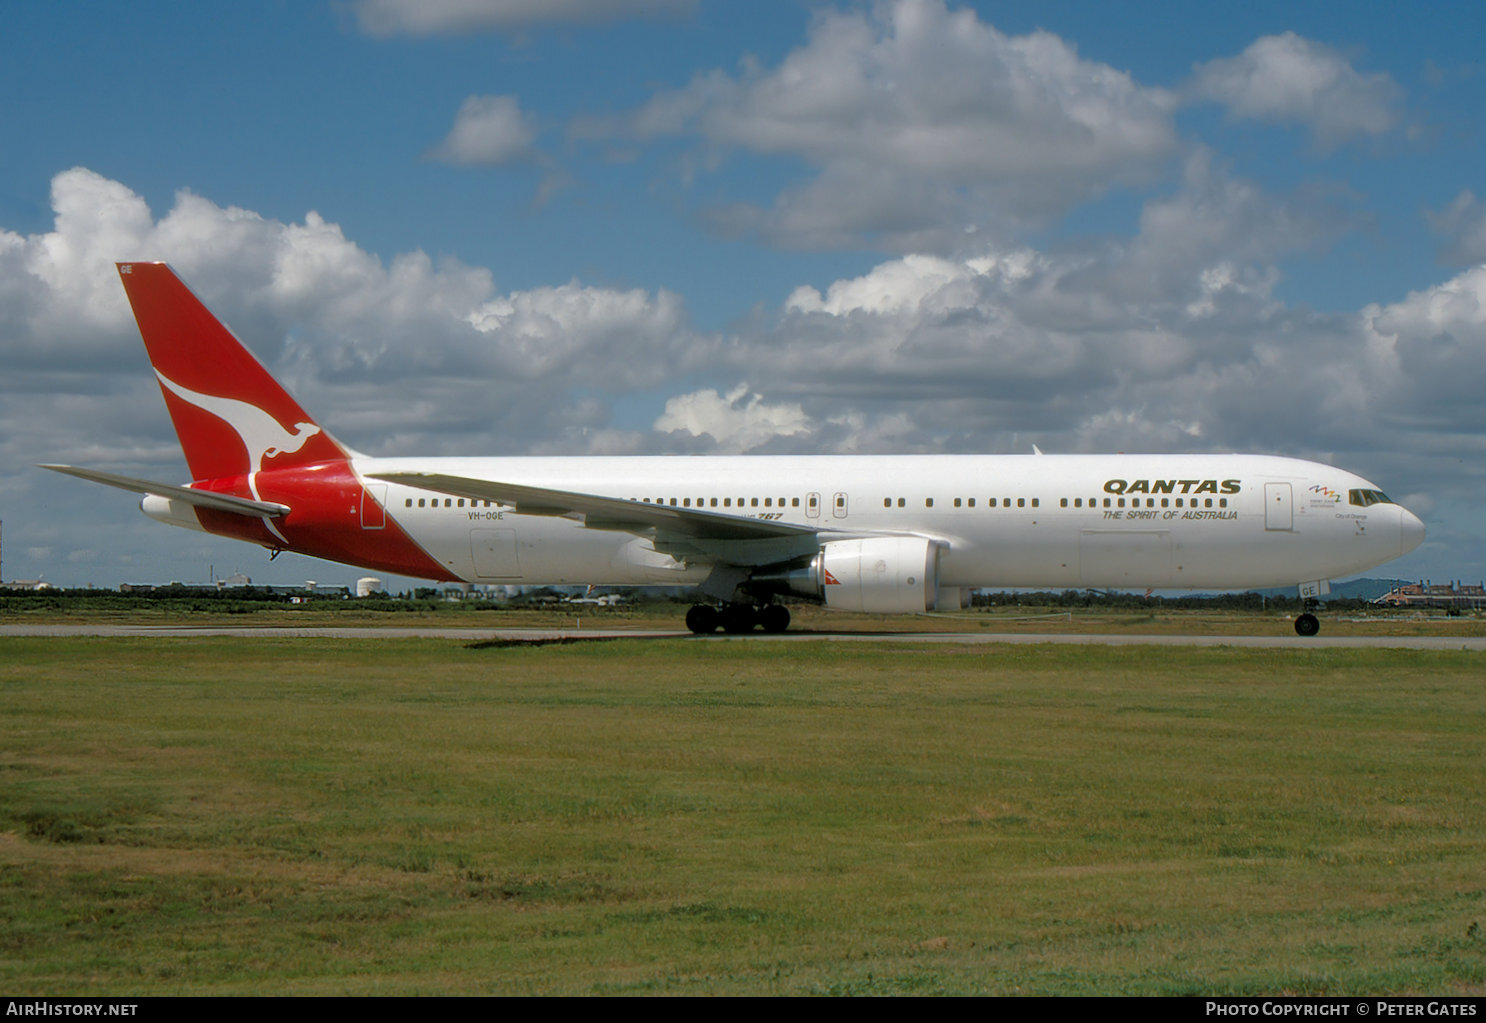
(1173, 340)
(926, 127)
(1287, 79)
(459, 17)
(328, 316)
(738, 421)
(1463, 224)
(488, 131)
(549, 331)
(1432, 347)
(1229, 230)
(1016, 339)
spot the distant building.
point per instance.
(175, 588)
(309, 589)
(602, 600)
(1427, 594)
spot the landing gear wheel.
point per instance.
(774, 617)
(1307, 625)
(738, 619)
(702, 619)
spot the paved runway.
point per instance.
(1281, 640)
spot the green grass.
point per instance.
(307, 816)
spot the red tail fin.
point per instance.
(231, 415)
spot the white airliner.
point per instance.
(894, 534)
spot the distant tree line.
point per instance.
(246, 599)
(234, 600)
(1249, 601)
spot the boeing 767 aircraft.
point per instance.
(893, 534)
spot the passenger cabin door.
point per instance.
(1279, 512)
(838, 506)
(812, 506)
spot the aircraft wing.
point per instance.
(198, 498)
(735, 539)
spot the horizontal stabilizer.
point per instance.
(198, 498)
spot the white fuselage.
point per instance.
(1058, 521)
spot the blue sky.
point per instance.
(501, 226)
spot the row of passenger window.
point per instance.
(450, 502)
(967, 502)
(1150, 502)
(1077, 502)
(959, 502)
(887, 502)
(727, 502)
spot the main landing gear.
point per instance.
(737, 619)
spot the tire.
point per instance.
(774, 618)
(702, 619)
(1307, 625)
(738, 619)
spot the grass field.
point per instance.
(320, 816)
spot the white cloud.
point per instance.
(325, 314)
(1171, 340)
(1017, 339)
(1463, 223)
(1288, 79)
(907, 284)
(488, 131)
(552, 331)
(458, 17)
(927, 128)
(1430, 351)
(738, 421)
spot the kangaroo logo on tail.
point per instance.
(262, 434)
(203, 367)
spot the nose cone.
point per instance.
(1410, 531)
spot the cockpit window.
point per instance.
(1363, 498)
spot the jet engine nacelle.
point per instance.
(883, 575)
(880, 574)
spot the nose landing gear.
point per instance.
(1307, 624)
